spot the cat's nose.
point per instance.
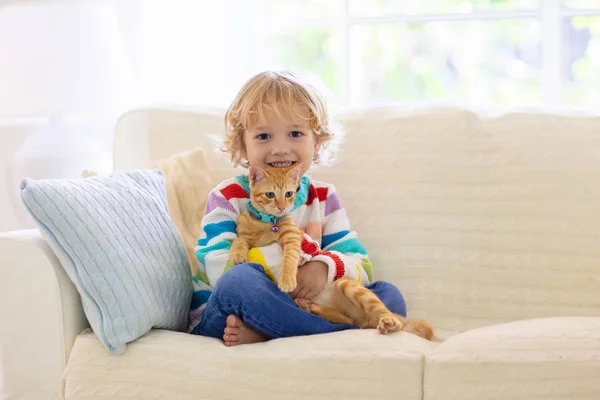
(281, 208)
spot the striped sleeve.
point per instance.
(218, 231)
(340, 248)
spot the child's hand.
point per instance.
(315, 231)
(311, 279)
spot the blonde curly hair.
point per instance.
(275, 91)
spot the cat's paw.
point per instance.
(389, 323)
(287, 281)
(304, 304)
(238, 254)
(238, 257)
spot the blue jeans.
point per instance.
(246, 292)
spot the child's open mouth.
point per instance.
(283, 164)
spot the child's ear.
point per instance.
(256, 174)
(295, 173)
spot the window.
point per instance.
(496, 52)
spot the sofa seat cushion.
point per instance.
(166, 364)
(549, 358)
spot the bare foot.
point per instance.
(236, 332)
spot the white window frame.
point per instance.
(551, 15)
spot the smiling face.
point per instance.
(280, 140)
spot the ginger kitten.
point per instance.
(272, 196)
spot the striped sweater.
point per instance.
(316, 202)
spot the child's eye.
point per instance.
(270, 195)
(296, 134)
(263, 136)
(289, 194)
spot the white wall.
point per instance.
(11, 137)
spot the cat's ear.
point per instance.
(256, 174)
(295, 173)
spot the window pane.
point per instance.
(386, 7)
(582, 3)
(581, 75)
(304, 8)
(317, 50)
(486, 62)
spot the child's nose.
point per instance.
(280, 146)
(277, 150)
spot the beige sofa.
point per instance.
(488, 223)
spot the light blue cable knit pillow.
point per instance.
(116, 241)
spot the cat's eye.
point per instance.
(295, 134)
(289, 194)
(270, 195)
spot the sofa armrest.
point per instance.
(40, 316)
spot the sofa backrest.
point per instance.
(478, 219)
